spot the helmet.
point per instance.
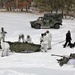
(47, 31)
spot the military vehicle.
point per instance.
(49, 20)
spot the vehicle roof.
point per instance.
(52, 14)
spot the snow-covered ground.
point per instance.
(38, 63)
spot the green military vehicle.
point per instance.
(49, 20)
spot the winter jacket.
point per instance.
(29, 40)
(68, 37)
(45, 40)
(49, 36)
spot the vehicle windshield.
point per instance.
(40, 18)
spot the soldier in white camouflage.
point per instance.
(21, 37)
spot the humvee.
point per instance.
(49, 20)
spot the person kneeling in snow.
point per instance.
(21, 36)
(28, 39)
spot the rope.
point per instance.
(58, 42)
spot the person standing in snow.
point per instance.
(41, 38)
(44, 43)
(49, 38)
(21, 36)
(2, 34)
(28, 39)
(68, 39)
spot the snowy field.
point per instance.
(39, 63)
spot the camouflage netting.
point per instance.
(24, 47)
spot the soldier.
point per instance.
(68, 39)
(28, 39)
(2, 34)
(49, 38)
(41, 38)
(44, 43)
(21, 36)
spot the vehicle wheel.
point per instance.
(37, 26)
(57, 26)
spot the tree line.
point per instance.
(56, 5)
(43, 5)
(11, 5)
